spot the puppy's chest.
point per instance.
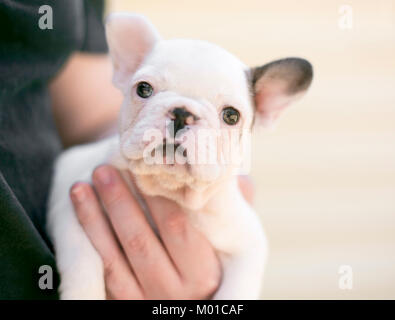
(214, 224)
(222, 234)
(221, 221)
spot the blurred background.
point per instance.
(325, 176)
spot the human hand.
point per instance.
(138, 265)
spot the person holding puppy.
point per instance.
(55, 92)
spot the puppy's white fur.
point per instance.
(203, 78)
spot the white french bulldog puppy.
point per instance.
(196, 87)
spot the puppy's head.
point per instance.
(189, 107)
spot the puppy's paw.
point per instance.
(83, 294)
(87, 288)
(83, 280)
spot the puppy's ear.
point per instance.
(130, 38)
(277, 84)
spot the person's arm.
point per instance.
(84, 101)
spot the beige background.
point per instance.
(325, 177)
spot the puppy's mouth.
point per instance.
(170, 153)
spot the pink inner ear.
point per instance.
(130, 38)
(271, 99)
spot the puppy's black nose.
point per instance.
(182, 117)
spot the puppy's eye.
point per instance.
(230, 115)
(144, 90)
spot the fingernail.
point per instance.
(104, 176)
(78, 193)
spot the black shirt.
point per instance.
(29, 58)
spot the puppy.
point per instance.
(174, 91)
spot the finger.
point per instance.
(120, 281)
(149, 260)
(191, 252)
(247, 188)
